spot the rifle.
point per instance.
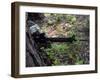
(43, 41)
(41, 38)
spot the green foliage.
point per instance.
(56, 62)
(79, 62)
(71, 50)
(71, 19)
